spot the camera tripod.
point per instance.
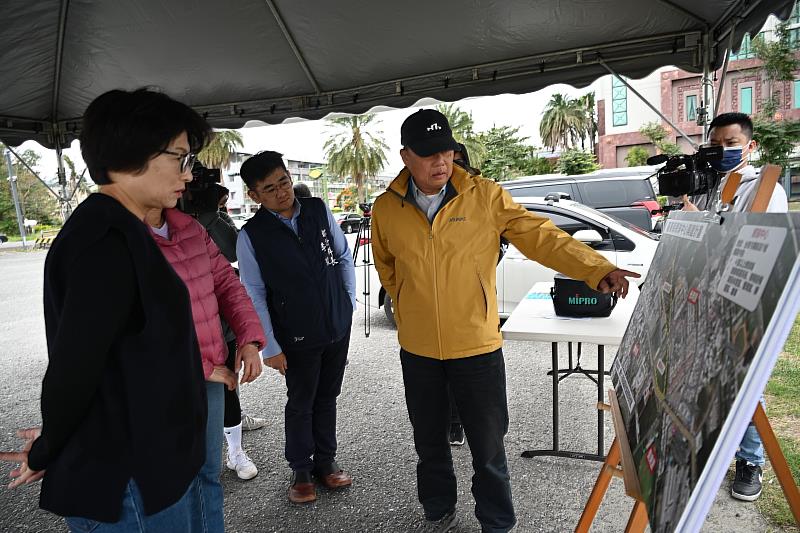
(364, 237)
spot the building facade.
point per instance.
(678, 95)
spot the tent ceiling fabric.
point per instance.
(271, 60)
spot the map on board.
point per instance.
(710, 294)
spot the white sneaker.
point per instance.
(250, 423)
(243, 466)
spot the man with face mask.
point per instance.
(734, 131)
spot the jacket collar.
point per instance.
(460, 181)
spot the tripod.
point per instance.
(363, 236)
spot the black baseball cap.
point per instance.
(427, 132)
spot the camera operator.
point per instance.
(734, 131)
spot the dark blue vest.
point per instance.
(306, 297)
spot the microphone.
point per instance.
(657, 159)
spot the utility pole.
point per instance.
(13, 179)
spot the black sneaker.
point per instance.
(447, 523)
(456, 435)
(747, 483)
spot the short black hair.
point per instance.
(258, 167)
(123, 130)
(301, 190)
(728, 119)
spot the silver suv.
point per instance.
(625, 193)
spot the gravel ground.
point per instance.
(375, 443)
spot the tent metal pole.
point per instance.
(63, 197)
(35, 175)
(62, 24)
(12, 179)
(77, 185)
(648, 104)
(724, 75)
(685, 11)
(707, 83)
(293, 45)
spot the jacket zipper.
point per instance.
(328, 320)
(433, 265)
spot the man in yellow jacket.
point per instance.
(435, 235)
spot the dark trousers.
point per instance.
(478, 387)
(314, 380)
(233, 409)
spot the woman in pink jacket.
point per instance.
(214, 288)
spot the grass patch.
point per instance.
(783, 409)
(794, 206)
(772, 502)
(783, 389)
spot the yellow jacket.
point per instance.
(441, 275)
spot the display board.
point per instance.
(716, 308)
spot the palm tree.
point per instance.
(563, 122)
(218, 152)
(462, 125)
(355, 152)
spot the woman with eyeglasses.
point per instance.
(123, 435)
(214, 290)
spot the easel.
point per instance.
(619, 461)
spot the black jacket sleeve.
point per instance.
(94, 308)
(223, 232)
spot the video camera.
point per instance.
(201, 196)
(688, 174)
(366, 208)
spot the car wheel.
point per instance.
(388, 308)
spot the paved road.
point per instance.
(374, 434)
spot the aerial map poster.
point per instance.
(711, 319)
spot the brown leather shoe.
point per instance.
(336, 480)
(302, 489)
(333, 477)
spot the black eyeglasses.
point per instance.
(187, 160)
(284, 184)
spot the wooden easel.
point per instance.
(619, 461)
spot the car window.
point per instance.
(572, 224)
(354, 216)
(628, 225)
(543, 190)
(615, 193)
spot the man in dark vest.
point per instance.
(295, 264)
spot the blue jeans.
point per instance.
(751, 449)
(210, 488)
(183, 515)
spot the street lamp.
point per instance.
(317, 173)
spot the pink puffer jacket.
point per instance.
(213, 288)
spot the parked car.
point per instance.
(240, 219)
(624, 244)
(348, 221)
(625, 193)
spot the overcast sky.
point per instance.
(304, 140)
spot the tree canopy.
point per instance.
(352, 150)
